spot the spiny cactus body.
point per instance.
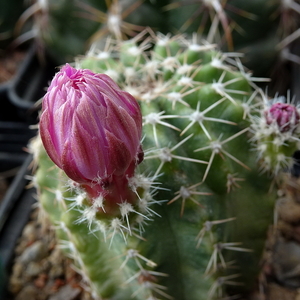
(202, 198)
(264, 30)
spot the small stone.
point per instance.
(29, 232)
(34, 252)
(286, 261)
(41, 281)
(15, 285)
(33, 269)
(17, 269)
(86, 296)
(288, 210)
(45, 264)
(56, 271)
(30, 292)
(56, 257)
(66, 292)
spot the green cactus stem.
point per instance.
(205, 191)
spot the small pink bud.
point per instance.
(284, 115)
(91, 129)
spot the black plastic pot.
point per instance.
(18, 111)
(15, 211)
(14, 134)
(29, 85)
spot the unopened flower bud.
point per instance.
(284, 115)
(91, 129)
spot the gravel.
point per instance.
(40, 271)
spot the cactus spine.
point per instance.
(206, 188)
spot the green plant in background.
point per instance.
(66, 28)
(56, 28)
(263, 30)
(173, 201)
(10, 11)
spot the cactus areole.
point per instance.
(91, 129)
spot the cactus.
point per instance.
(188, 218)
(65, 29)
(51, 24)
(263, 30)
(9, 14)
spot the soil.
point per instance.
(280, 275)
(40, 270)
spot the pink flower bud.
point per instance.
(284, 115)
(91, 129)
